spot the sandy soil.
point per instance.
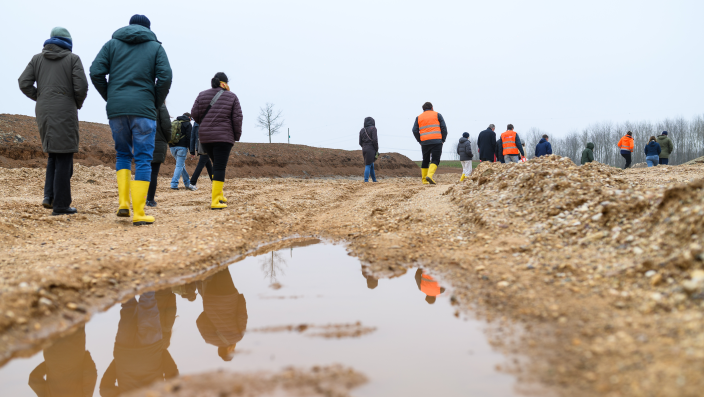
(592, 277)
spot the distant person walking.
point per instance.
(588, 156)
(219, 116)
(511, 145)
(543, 148)
(180, 150)
(430, 131)
(465, 152)
(161, 138)
(626, 147)
(487, 144)
(666, 148)
(61, 88)
(499, 154)
(652, 150)
(370, 147)
(203, 159)
(140, 78)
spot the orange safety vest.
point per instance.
(509, 144)
(626, 143)
(429, 126)
(429, 286)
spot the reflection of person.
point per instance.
(428, 285)
(371, 281)
(140, 356)
(69, 369)
(224, 316)
(186, 291)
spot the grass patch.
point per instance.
(451, 164)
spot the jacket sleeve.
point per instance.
(164, 77)
(415, 130)
(36, 380)
(189, 131)
(80, 82)
(670, 146)
(196, 111)
(659, 148)
(107, 383)
(99, 69)
(26, 81)
(494, 142)
(468, 150)
(444, 129)
(194, 139)
(518, 142)
(375, 142)
(237, 119)
(591, 156)
(550, 149)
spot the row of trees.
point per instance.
(688, 136)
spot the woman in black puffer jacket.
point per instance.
(161, 138)
(370, 147)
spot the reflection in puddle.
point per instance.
(267, 313)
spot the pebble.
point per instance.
(503, 284)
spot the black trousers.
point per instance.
(490, 160)
(153, 181)
(203, 160)
(431, 154)
(219, 152)
(57, 184)
(627, 156)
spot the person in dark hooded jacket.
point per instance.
(465, 152)
(161, 140)
(140, 78)
(370, 147)
(652, 151)
(487, 144)
(588, 156)
(61, 88)
(499, 153)
(543, 148)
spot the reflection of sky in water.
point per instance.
(417, 349)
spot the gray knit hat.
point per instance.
(60, 32)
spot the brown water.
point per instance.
(301, 306)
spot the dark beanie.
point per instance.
(664, 133)
(141, 20)
(466, 135)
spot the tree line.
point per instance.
(688, 136)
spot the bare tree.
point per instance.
(270, 120)
(272, 266)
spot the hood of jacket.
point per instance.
(369, 122)
(590, 145)
(462, 140)
(53, 51)
(652, 144)
(543, 140)
(184, 118)
(135, 34)
(662, 138)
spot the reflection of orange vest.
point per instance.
(626, 143)
(429, 286)
(429, 126)
(509, 144)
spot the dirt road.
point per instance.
(600, 268)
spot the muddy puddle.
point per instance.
(302, 306)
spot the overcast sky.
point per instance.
(555, 65)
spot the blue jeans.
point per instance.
(663, 161)
(139, 322)
(134, 134)
(370, 170)
(511, 158)
(180, 154)
(651, 161)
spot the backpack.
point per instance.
(176, 134)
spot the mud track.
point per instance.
(600, 268)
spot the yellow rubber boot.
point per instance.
(462, 178)
(216, 195)
(123, 180)
(431, 170)
(222, 195)
(424, 172)
(139, 198)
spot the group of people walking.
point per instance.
(139, 81)
(657, 150)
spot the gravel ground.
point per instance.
(591, 277)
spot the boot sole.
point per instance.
(123, 213)
(48, 206)
(217, 208)
(429, 180)
(141, 223)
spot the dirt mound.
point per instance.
(20, 146)
(699, 160)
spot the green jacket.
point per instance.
(666, 146)
(134, 59)
(588, 155)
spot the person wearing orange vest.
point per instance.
(430, 132)
(428, 285)
(511, 145)
(626, 147)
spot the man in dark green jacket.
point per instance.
(140, 78)
(61, 88)
(666, 148)
(588, 155)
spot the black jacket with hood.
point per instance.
(186, 130)
(368, 141)
(464, 149)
